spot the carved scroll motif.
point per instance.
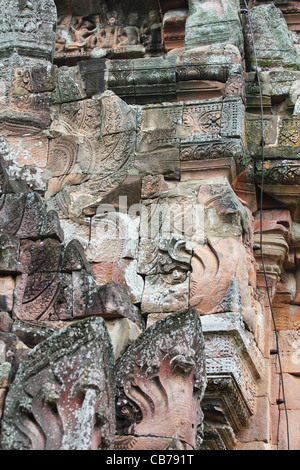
(160, 383)
(63, 395)
(214, 283)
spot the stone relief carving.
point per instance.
(97, 158)
(168, 131)
(52, 406)
(147, 389)
(109, 32)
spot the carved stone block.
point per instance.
(234, 364)
(9, 253)
(123, 272)
(202, 119)
(165, 162)
(91, 154)
(93, 74)
(215, 285)
(208, 63)
(143, 80)
(115, 302)
(7, 285)
(273, 43)
(42, 256)
(166, 292)
(174, 28)
(163, 255)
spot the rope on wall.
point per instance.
(273, 351)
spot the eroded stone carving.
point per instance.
(102, 131)
(108, 29)
(63, 394)
(28, 28)
(161, 379)
(213, 22)
(274, 46)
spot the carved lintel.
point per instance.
(218, 437)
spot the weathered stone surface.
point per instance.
(6, 322)
(74, 258)
(122, 332)
(273, 44)
(41, 256)
(223, 333)
(51, 406)
(147, 377)
(9, 254)
(114, 235)
(97, 30)
(173, 31)
(31, 334)
(115, 302)
(137, 82)
(123, 272)
(90, 154)
(24, 216)
(207, 63)
(224, 214)
(213, 22)
(7, 285)
(28, 28)
(163, 255)
(216, 287)
(164, 293)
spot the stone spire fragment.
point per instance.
(213, 22)
(161, 380)
(27, 29)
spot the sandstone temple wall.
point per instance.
(150, 225)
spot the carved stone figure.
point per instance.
(107, 37)
(63, 395)
(161, 379)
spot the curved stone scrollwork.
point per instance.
(160, 382)
(63, 394)
(91, 152)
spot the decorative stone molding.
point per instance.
(234, 365)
